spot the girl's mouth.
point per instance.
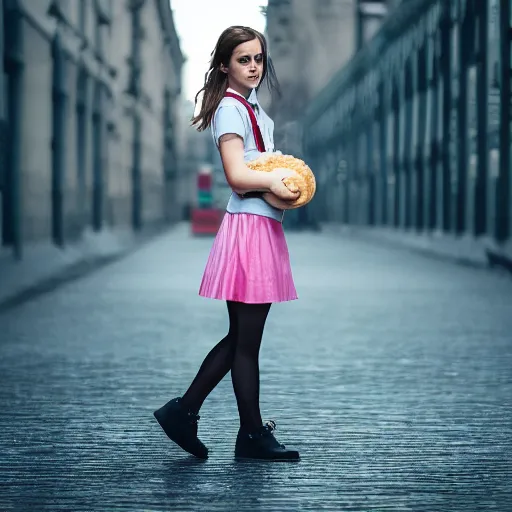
(254, 78)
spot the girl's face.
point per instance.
(245, 67)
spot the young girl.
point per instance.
(248, 265)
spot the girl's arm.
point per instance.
(274, 201)
(242, 179)
(239, 177)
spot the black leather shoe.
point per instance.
(180, 425)
(262, 445)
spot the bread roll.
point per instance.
(303, 180)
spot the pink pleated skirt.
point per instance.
(249, 262)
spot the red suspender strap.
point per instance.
(260, 145)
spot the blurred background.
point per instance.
(401, 108)
(391, 374)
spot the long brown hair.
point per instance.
(216, 82)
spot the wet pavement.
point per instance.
(392, 374)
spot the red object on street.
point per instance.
(204, 182)
(206, 221)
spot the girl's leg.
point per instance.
(245, 374)
(254, 440)
(214, 368)
(238, 351)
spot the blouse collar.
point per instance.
(253, 97)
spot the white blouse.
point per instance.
(231, 116)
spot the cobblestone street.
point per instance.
(392, 375)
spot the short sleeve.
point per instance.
(228, 119)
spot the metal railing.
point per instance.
(414, 132)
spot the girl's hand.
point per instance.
(274, 201)
(277, 186)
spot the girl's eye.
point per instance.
(245, 60)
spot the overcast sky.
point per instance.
(199, 24)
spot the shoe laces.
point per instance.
(193, 418)
(268, 430)
(270, 426)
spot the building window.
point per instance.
(82, 17)
(98, 37)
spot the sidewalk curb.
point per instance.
(91, 252)
(480, 252)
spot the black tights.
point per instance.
(237, 352)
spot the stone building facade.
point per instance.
(309, 42)
(88, 111)
(414, 135)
